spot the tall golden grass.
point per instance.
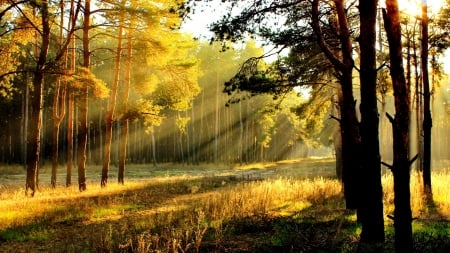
(174, 213)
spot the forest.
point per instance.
(124, 118)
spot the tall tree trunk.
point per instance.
(112, 106)
(371, 206)
(241, 134)
(70, 104)
(427, 121)
(152, 130)
(36, 103)
(70, 120)
(337, 136)
(217, 130)
(351, 140)
(26, 107)
(83, 102)
(59, 110)
(59, 105)
(126, 95)
(400, 125)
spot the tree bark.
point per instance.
(371, 206)
(36, 104)
(111, 107)
(70, 105)
(126, 95)
(83, 103)
(59, 104)
(427, 120)
(70, 120)
(351, 140)
(59, 111)
(400, 125)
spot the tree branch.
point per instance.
(391, 119)
(413, 159)
(335, 118)
(320, 39)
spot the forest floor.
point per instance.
(290, 206)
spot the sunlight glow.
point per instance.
(414, 7)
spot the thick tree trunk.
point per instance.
(36, 104)
(400, 125)
(371, 206)
(351, 140)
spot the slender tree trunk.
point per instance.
(36, 104)
(400, 125)
(427, 121)
(217, 132)
(83, 102)
(70, 107)
(153, 146)
(70, 120)
(59, 111)
(126, 95)
(26, 107)
(371, 206)
(111, 107)
(241, 134)
(419, 101)
(337, 136)
(59, 105)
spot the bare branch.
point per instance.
(391, 119)
(320, 39)
(335, 118)
(413, 159)
(389, 166)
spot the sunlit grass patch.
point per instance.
(208, 210)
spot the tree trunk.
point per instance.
(371, 206)
(70, 120)
(400, 125)
(126, 95)
(59, 105)
(70, 107)
(351, 141)
(59, 111)
(153, 146)
(241, 134)
(36, 104)
(83, 103)
(337, 136)
(427, 121)
(112, 106)
(217, 118)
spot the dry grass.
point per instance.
(228, 209)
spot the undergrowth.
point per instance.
(282, 211)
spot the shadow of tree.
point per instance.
(164, 216)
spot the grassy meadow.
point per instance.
(291, 206)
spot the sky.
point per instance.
(198, 24)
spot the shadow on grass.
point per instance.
(83, 223)
(164, 217)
